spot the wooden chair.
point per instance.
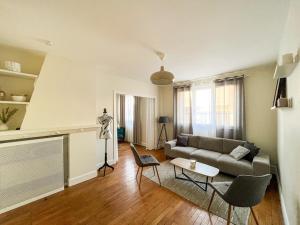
(144, 161)
(244, 191)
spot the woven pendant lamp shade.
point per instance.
(162, 77)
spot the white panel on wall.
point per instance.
(29, 169)
(82, 157)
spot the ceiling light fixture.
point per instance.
(162, 77)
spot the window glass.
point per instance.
(203, 106)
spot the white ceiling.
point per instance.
(199, 37)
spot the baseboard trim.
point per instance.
(84, 177)
(143, 144)
(31, 200)
(282, 202)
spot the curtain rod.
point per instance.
(230, 78)
(211, 78)
(182, 84)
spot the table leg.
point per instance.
(200, 184)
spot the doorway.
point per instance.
(135, 121)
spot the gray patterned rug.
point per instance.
(196, 195)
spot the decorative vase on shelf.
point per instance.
(2, 95)
(3, 126)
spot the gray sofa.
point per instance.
(215, 152)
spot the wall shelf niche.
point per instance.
(288, 65)
(8, 73)
(14, 103)
(18, 83)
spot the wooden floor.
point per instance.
(116, 199)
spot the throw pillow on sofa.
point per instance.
(253, 151)
(239, 152)
(182, 140)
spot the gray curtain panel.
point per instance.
(137, 128)
(182, 110)
(230, 108)
(122, 111)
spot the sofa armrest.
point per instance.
(168, 146)
(261, 164)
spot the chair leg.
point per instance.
(229, 215)
(153, 171)
(137, 173)
(157, 176)
(254, 216)
(141, 177)
(211, 200)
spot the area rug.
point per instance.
(191, 192)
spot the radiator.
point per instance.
(29, 170)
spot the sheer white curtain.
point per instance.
(182, 110)
(129, 117)
(203, 108)
(230, 112)
(150, 123)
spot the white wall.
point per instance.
(166, 107)
(82, 160)
(289, 123)
(260, 120)
(261, 123)
(64, 95)
(69, 94)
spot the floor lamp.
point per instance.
(163, 120)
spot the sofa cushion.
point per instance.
(206, 156)
(253, 151)
(213, 144)
(228, 164)
(184, 152)
(182, 140)
(193, 141)
(230, 144)
(239, 152)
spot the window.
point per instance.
(203, 109)
(218, 108)
(203, 106)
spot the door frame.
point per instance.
(115, 136)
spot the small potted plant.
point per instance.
(5, 116)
